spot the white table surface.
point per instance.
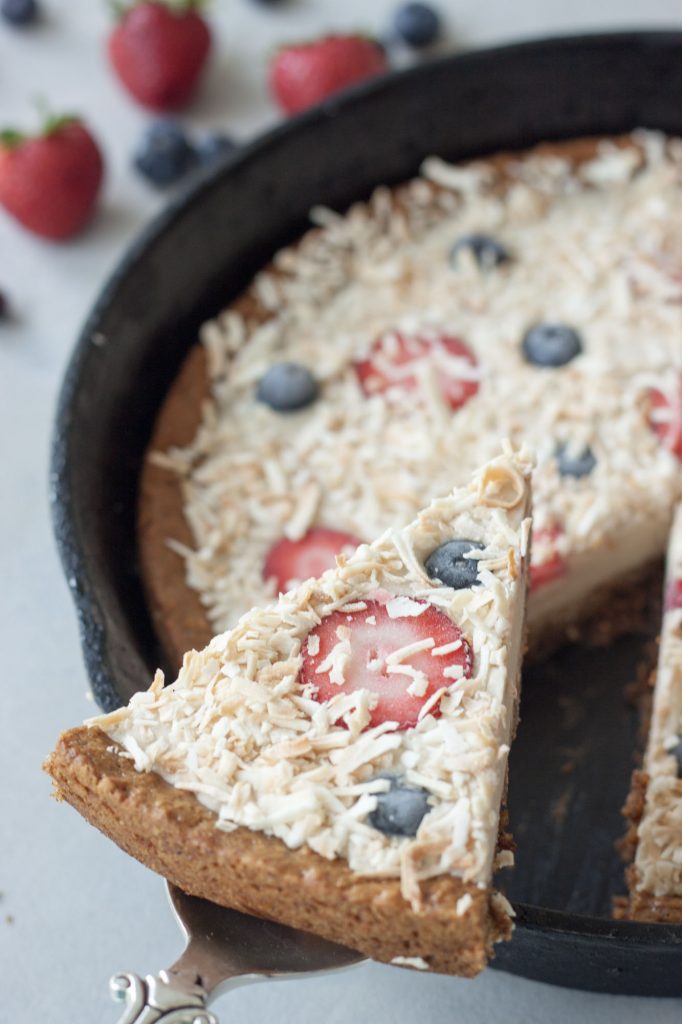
(73, 908)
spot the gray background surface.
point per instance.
(72, 907)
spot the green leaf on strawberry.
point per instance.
(10, 138)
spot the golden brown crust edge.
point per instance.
(640, 905)
(176, 609)
(174, 835)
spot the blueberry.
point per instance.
(487, 251)
(448, 564)
(417, 24)
(287, 386)
(20, 12)
(165, 154)
(400, 810)
(551, 344)
(578, 465)
(212, 147)
(676, 752)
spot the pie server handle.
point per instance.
(225, 949)
(179, 995)
(162, 998)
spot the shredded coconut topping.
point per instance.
(595, 247)
(240, 731)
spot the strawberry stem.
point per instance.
(50, 122)
(57, 121)
(10, 138)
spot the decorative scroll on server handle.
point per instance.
(225, 949)
(160, 998)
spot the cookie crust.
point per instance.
(172, 833)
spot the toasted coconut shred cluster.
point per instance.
(243, 732)
(657, 874)
(593, 246)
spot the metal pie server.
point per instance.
(224, 949)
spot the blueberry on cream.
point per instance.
(450, 565)
(286, 387)
(551, 345)
(486, 250)
(576, 464)
(400, 810)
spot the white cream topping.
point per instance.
(658, 860)
(598, 249)
(589, 570)
(240, 731)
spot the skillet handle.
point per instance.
(162, 998)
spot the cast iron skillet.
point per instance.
(198, 256)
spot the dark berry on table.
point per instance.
(677, 754)
(400, 810)
(417, 24)
(165, 154)
(551, 344)
(486, 250)
(287, 386)
(449, 565)
(4, 307)
(212, 147)
(20, 12)
(576, 464)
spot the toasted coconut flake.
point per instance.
(501, 487)
(463, 904)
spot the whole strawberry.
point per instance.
(158, 50)
(50, 181)
(303, 75)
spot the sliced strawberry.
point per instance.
(390, 361)
(367, 638)
(673, 595)
(297, 560)
(551, 565)
(665, 418)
